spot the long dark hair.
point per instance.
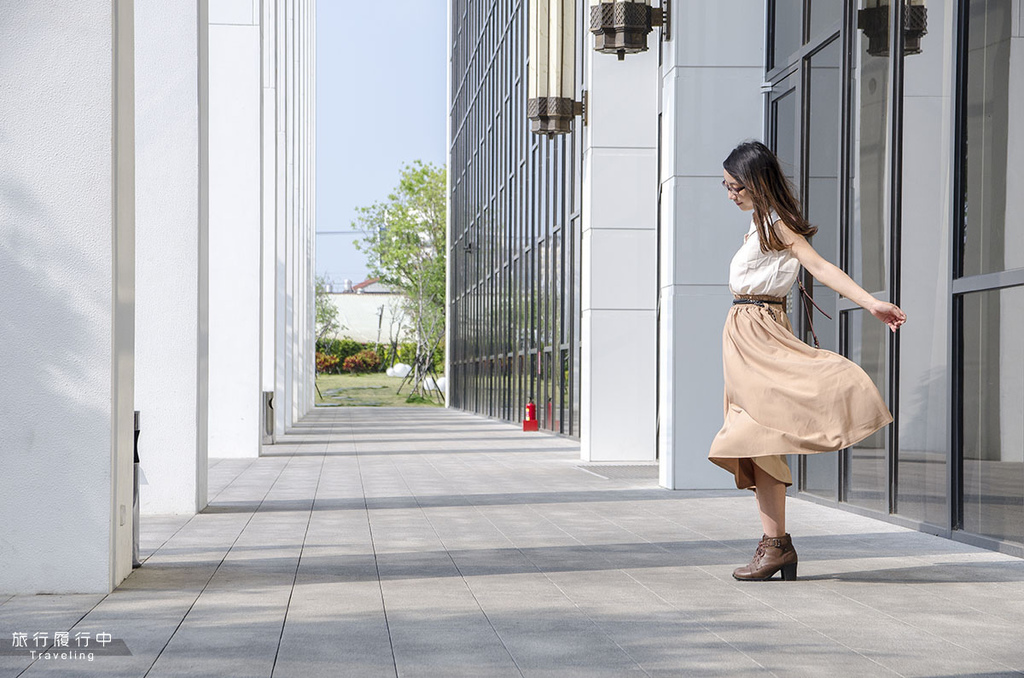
(756, 167)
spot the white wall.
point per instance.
(711, 101)
(235, 228)
(360, 316)
(619, 252)
(67, 270)
(170, 391)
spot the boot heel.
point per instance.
(789, 572)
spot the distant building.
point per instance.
(370, 311)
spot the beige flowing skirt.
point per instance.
(785, 397)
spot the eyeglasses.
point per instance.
(735, 190)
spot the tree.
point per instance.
(405, 244)
(327, 324)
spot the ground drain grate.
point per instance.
(622, 471)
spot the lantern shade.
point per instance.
(621, 26)
(551, 85)
(874, 21)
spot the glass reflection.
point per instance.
(869, 242)
(511, 193)
(789, 22)
(993, 413)
(821, 205)
(993, 233)
(867, 474)
(824, 14)
(821, 194)
(927, 180)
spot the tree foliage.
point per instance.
(405, 245)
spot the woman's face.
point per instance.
(737, 192)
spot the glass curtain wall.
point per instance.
(913, 157)
(514, 247)
(866, 246)
(990, 276)
(926, 211)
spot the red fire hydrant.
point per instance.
(530, 420)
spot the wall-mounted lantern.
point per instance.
(874, 21)
(551, 80)
(621, 26)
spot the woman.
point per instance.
(781, 395)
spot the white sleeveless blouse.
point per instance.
(755, 272)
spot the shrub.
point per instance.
(365, 361)
(370, 359)
(340, 348)
(326, 363)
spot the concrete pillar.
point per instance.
(294, 364)
(172, 275)
(619, 295)
(711, 101)
(269, 169)
(291, 213)
(67, 268)
(281, 295)
(235, 228)
(289, 220)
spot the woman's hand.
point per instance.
(890, 314)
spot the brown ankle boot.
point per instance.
(773, 554)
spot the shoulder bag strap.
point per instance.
(807, 309)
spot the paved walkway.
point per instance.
(379, 542)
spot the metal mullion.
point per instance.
(848, 42)
(955, 458)
(848, 36)
(954, 348)
(805, 21)
(781, 72)
(844, 454)
(897, 14)
(989, 281)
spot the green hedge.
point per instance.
(346, 348)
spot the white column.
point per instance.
(281, 226)
(711, 101)
(619, 295)
(290, 217)
(310, 336)
(268, 169)
(67, 210)
(171, 279)
(235, 228)
(289, 315)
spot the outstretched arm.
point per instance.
(831, 275)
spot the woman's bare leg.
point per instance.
(771, 502)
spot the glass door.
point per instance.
(804, 123)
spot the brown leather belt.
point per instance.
(759, 300)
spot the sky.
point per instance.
(380, 103)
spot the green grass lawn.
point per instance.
(364, 390)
